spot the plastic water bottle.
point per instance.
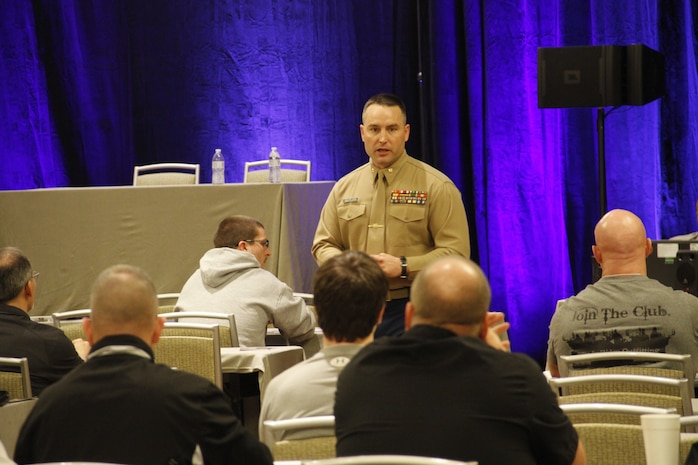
(274, 166)
(218, 168)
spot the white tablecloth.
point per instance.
(251, 359)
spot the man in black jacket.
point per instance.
(120, 407)
(49, 352)
(441, 390)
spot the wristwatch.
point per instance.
(403, 262)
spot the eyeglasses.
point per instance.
(35, 274)
(264, 242)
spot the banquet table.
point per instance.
(71, 234)
(242, 360)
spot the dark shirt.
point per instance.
(432, 393)
(120, 407)
(49, 352)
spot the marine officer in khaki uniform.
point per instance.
(401, 211)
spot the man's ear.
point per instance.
(484, 329)
(87, 328)
(29, 293)
(380, 315)
(597, 255)
(648, 247)
(409, 315)
(157, 331)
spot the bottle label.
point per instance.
(218, 172)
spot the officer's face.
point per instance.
(384, 133)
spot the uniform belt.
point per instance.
(394, 294)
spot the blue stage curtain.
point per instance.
(89, 88)
(113, 83)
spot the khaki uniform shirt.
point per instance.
(419, 231)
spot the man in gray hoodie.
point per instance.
(231, 279)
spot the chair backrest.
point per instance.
(167, 302)
(315, 426)
(308, 298)
(288, 173)
(195, 348)
(168, 298)
(689, 424)
(612, 444)
(629, 363)
(603, 385)
(14, 377)
(229, 333)
(314, 438)
(630, 399)
(273, 367)
(163, 174)
(386, 460)
(596, 412)
(304, 449)
(70, 322)
(12, 417)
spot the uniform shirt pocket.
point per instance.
(407, 228)
(407, 213)
(351, 211)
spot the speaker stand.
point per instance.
(600, 118)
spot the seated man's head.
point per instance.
(17, 279)
(243, 233)
(451, 292)
(622, 245)
(349, 294)
(123, 301)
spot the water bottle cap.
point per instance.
(218, 150)
(273, 149)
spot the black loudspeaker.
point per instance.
(644, 75)
(599, 76)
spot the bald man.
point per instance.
(439, 390)
(120, 407)
(624, 310)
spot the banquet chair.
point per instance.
(629, 363)
(167, 301)
(12, 417)
(688, 423)
(195, 348)
(590, 384)
(228, 332)
(14, 377)
(165, 174)
(596, 412)
(70, 322)
(612, 444)
(307, 297)
(272, 367)
(651, 391)
(309, 438)
(309, 300)
(288, 174)
(386, 460)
